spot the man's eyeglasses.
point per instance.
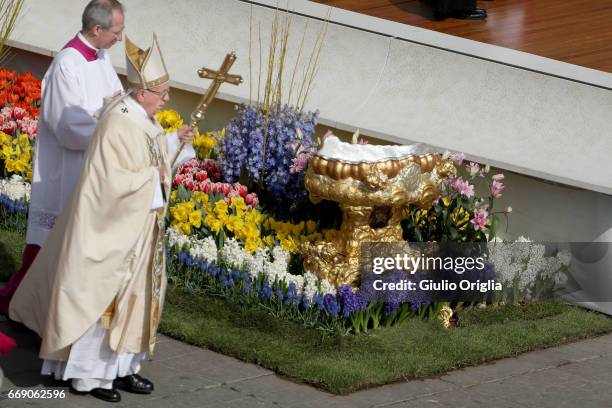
(161, 94)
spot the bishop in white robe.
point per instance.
(95, 291)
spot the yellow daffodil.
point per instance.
(195, 218)
(213, 223)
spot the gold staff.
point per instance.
(218, 78)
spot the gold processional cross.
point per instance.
(218, 77)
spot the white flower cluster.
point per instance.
(272, 264)
(15, 188)
(175, 237)
(204, 249)
(527, 261)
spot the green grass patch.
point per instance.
(11, 248)
(416, 349)
(510, 313)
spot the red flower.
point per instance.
(201, 175)
(205, 186)
(9, 127)
(19, 113)
(6, 344)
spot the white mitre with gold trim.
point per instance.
(145, 68)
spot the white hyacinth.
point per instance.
(204, 249)
(15, 188)
(272, 264)
(233, 254)
(175, 237)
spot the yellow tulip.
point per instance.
(170, 120)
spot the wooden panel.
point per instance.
(574, 31)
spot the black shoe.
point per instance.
(134, 383)
(100, 393)
(476, 14)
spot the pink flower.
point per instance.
(225, 188)
(9, 126)
(29, 126)
(205, 186)
(178, 179)
(496, 188)
(249, 199)
(243, 191)
(481, 216)
(498, 177)
(457, 158)
(362, 142)
(473, 168)
(463, 187)
(19, 113)
(201, 175)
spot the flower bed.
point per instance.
(19, 108)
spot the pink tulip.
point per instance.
(19, 113)
(201, 175)
(243, 191)
(206, 186)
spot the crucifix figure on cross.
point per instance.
(218, 77)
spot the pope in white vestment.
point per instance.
(95, 291)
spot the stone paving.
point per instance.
(573, 375)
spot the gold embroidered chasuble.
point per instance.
(106, 246)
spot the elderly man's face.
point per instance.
(106, 38)
(154, 99)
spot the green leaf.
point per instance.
(183, 194)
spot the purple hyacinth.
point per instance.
(243, 148)
(318, 301)
(331, 305)
(267, 291)
(351, 301)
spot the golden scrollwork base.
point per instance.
(372, 205)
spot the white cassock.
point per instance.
(73, 90)
(91, 363)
